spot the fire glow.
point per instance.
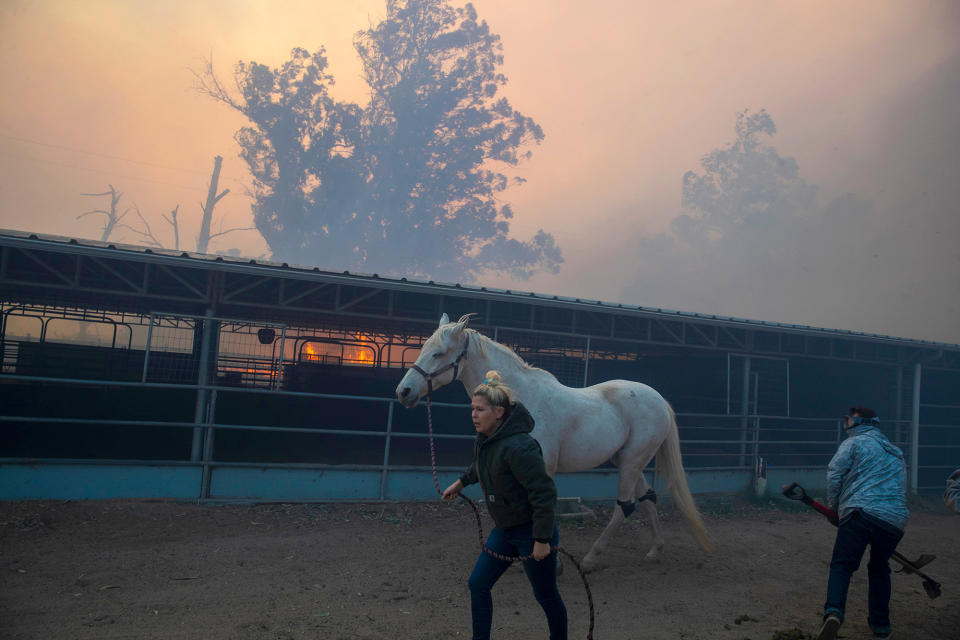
(361, 351)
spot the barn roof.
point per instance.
(135, 253)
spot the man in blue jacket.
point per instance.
(866, 485)
(951, 497)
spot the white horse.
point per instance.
(578, 429)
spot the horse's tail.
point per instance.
(671, 464)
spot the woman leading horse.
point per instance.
(520, 497)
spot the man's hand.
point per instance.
(453, 490)
(541, 550)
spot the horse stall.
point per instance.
(200, 446)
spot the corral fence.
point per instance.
(184, 406)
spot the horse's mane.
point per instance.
(484, 342)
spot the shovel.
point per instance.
(794, 491)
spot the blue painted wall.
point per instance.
(98, 482)
(276, 485)
(58, 481)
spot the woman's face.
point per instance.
(486, 418)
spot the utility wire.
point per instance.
(102, 155)
(109, 173)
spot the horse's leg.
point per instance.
(626, 486)
(650, 510)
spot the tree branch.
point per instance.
(146, 235)
(112, 218)
(106, 213)
(172, 220)
(225, 232)
(209, 84)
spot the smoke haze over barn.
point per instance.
(630, 98)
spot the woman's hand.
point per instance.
(541, 550)
(453, 490)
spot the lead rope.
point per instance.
(483, 546)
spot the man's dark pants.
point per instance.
(853, 536)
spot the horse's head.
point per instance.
(438, 363)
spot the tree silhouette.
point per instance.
(407, 184)
(751, 229)
(745, 185)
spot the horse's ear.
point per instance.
(444, 319)
(464, 321)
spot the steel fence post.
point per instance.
(744, 410)
(586, 362)
(915, 431)
(146, 349)
(208, 446)
(206, 326)
(386, 452)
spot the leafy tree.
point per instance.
(408, 183)
(750, 229)
(745, 185)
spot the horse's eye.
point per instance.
(437, 355)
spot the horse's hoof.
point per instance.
(590, 564)
(653, 555)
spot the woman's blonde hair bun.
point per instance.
(493, 389)
(492, 378)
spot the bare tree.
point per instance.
(203, 239)
(176, 227)
(115, 220)
(145, 233)
(112, 217)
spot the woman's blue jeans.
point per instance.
(853, 536)
(513, 542)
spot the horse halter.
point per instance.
(455, 365)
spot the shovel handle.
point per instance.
(826, 511)
(794, 491)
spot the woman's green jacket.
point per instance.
(509, 466)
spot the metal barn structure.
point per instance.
(131, 372)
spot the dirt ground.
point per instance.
(135, 569)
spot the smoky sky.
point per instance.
(882, 259)
(630, 96)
